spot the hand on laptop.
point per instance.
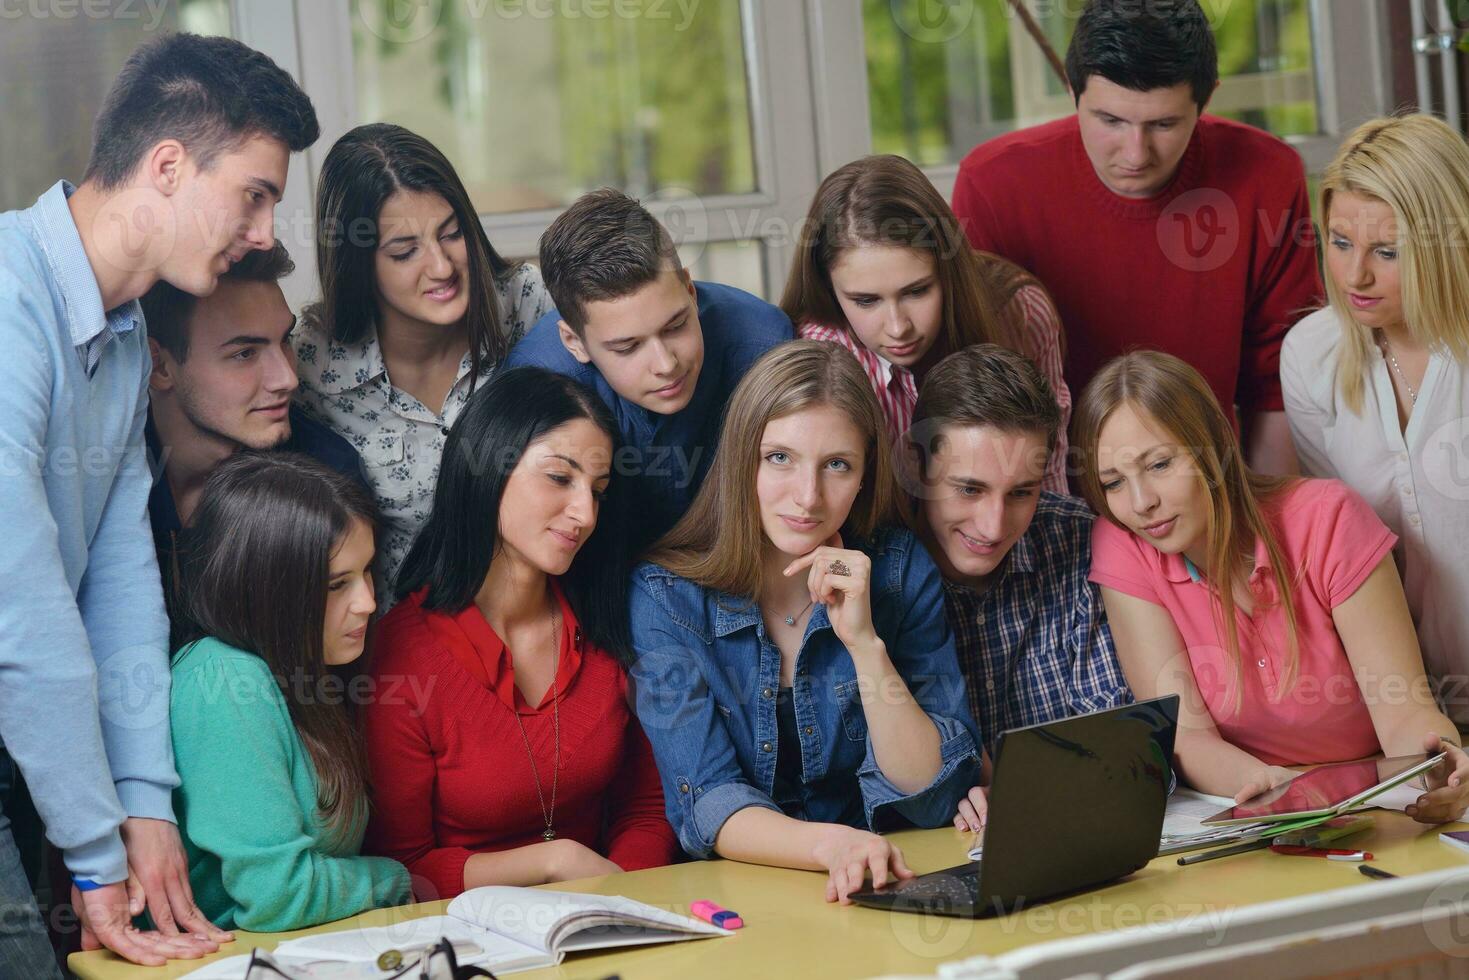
(973, 810)
(1448, 784)
(848, 854)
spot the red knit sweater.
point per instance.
(450, 773)
(1214, 269)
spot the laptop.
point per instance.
(1074, 804)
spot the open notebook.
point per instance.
(500, 928)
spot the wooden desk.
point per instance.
(790, 928)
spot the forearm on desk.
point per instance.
(757, 835)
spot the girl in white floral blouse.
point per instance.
(417, 309)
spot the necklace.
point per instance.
(1393, 360)
(791, 619)
(548, 815)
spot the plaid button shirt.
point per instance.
(1035, 646)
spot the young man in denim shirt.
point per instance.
(1030, 629)
(188, 163)
(663, 351)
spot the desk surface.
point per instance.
(787, 921)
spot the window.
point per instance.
(537, 104)
(944, 76)
(58, 63)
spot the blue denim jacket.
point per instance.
(706, 678)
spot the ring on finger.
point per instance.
(839, 567)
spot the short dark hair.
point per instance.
(212, 94)
(451, 555)
(1143, 45)
(605, 246)
(984, 385)
(167, 309)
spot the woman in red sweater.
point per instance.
(501, 745)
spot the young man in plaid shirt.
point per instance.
(1030, 629)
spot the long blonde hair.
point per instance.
(1419, 167)
(719, 543)
(886, 200)
(1176, 397)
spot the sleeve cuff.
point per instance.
(140, 798)
(933, 806)
(104, 860)
(709, 811)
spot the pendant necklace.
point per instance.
(548, 815)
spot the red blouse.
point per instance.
(450, 772)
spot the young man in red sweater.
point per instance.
(1152, 224)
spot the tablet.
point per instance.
(1327, 790)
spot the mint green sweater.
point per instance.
(258, 858)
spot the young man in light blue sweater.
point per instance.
(189, 160)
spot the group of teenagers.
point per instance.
(489, 573)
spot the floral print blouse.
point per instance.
(399, 438)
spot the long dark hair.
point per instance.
(451, 555)
(364, 168)
(256, 567)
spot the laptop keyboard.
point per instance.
(957, 890)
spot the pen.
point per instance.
(1372, 872)
(1331, 854)
(1250, 845)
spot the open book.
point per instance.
(500, 928)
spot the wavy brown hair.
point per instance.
(256, 569)
(886, 200)
(719, 543)
(1175, 397)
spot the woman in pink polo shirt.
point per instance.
(1271, 606)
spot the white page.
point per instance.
(500, 953)
(535, 917)
(1187, 811)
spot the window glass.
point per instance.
(56, 64)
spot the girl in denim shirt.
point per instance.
(794, 670)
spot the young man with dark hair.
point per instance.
(1138, 187)
(1030, 629)
(663, 351)
(189, 159)
(223, 374)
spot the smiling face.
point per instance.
(224, 212)
(981, 488)
(349, 596)
(1151, 484)
(892, 300)
(422, 264)
(235, 383)
(648, 345)
(811, 466)
(1362, 259)
(1135, 140)
(550, 502)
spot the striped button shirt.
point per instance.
(1035, 645)
(1039, 330)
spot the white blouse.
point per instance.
(399, 438)
(1416, 480)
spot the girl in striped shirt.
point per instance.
(884, 270)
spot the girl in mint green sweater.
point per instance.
(277, 585)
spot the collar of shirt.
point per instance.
(481, 651)
(734, 613)
(362, 363)
(1178, 569)
(62, 245)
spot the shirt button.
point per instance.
(979, 619)
(767, 694)
(683, 787)
(1262, 662)
(809, 730)
(989, 685)
(766, 747)
(1407, 491)
(1414, 520)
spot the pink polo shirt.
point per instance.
(1335, 540)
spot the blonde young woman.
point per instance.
(794, 670)
(1377, 383)
(884, 270)
(1271, 606)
